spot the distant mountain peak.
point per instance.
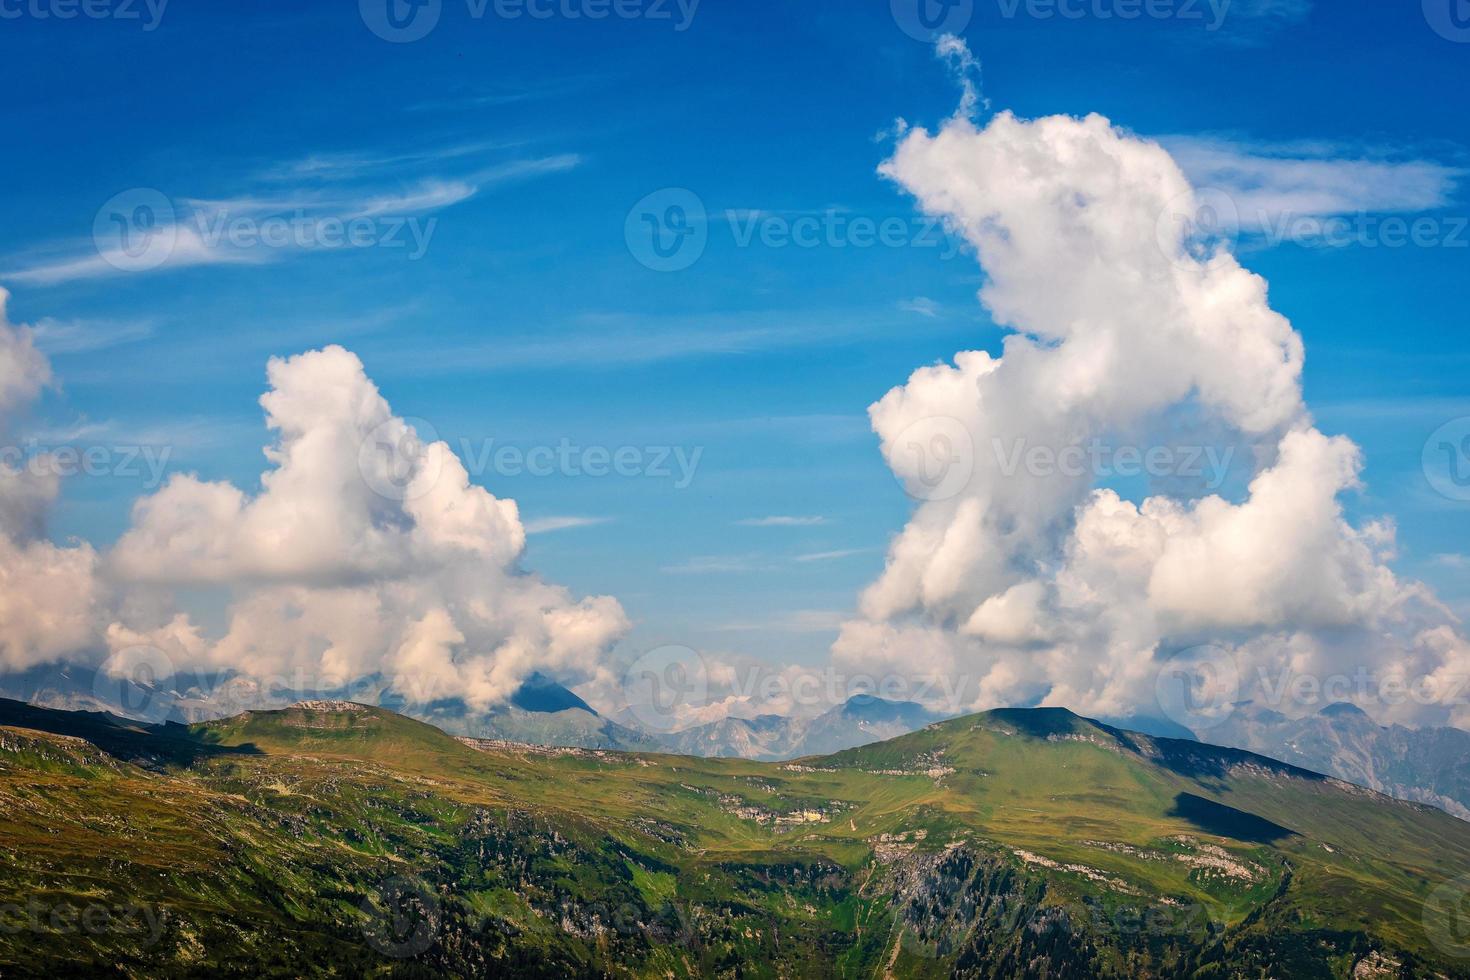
(869, 703)
(1344, 709)
(539, 693)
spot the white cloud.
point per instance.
(24, 370)
(715, 564)
(1267, 182)
(1041, 585)
(367, 551)
(829, 555)
(922, 305)
(49, 594)
(353, 165)
(325, 212)
(83, 336)
(545, 525)
(188, 247)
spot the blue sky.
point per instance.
(529, 321)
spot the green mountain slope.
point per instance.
(339, 839)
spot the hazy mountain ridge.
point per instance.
(1428, 765)
(541, 711)
(860, 720)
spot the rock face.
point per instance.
(1426, 765)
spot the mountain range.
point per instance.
(334, 838)
(1430, 765)
(861, 719)
(541, 712)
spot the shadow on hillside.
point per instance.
(1204, 761)
(124, 740)
(1226, 821)
(1039, 722)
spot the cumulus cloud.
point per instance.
(24, 370)
(49, 594)
(367, 552)
(1044, 583)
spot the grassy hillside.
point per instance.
(343, 839)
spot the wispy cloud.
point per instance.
(358, 164)
(922, 305)
(831, 555)
(783, 520)
(545, 525)
(731, 564)
(308, 205)
(82, 336)
(715, 565)
(187, 248)
(200, 432)
(1268, 180)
